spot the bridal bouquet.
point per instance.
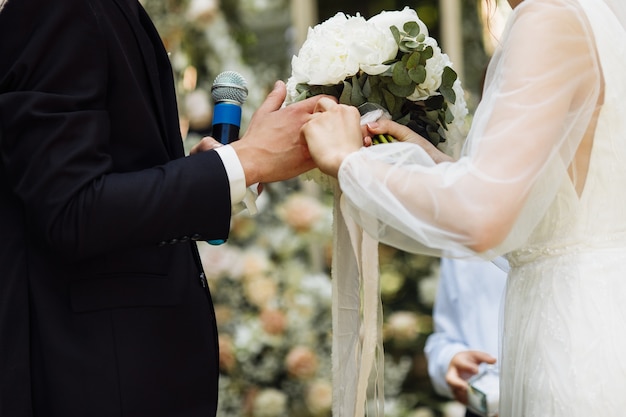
(387, 66)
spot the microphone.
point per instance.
(229, 91)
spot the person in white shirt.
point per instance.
(466, 321)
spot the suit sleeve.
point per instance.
(56, 147)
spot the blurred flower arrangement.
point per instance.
(387, 64)
(272, 293)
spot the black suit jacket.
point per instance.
(104, 310)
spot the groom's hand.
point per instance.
(273, 148)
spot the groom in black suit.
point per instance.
(104, 308)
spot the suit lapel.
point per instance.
(150, 44)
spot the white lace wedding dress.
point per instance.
(543, 178)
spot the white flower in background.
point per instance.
(423, 412)
(391, 280)
(260, 290)
(386, 19)
(319, 397)
(220, 261)
(247, 339)
(270, 403)
(402, 326)
(202, 10)
(453, 409)
(318, 285)
(255, 263)
(198, 109)
(428, 287)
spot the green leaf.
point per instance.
(418, 74)
(427, 53)
(449, 118)
(448, 93)
(448, 77)
(356, 97)
(413, 60)
(346, 94)
(400, 75)
(402, 90)
(396, 34)
(410, 45)
(411, 28)
(390, 100)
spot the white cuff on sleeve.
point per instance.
(234, 170)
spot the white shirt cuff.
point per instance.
(234, 170)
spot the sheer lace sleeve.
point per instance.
(542, 89)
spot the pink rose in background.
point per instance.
(301, 362)
(228, 360)
(273, 321)
(301, 212)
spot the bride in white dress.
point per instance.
(541, 179)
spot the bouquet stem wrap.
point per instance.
(358, 356)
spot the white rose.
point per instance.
(386, 19)
(370, 45)
(459, 108)
(326, 57)
(403, 325)
(270, 403)
(292, 93)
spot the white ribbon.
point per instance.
(357, 358)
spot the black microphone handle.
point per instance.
(225, 133)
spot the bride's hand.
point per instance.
(405, 134)
(332, 133)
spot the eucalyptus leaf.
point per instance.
(413, 61)
(448, 93)
(412, 29)
(402, 90)
(346, 94)
(448, 77)
(427, 53)
(356, 97)
(400, 75)
(449, 118)
(418, 74)
(411, 45)
(396, 34)
(390, 101)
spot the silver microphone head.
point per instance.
(229, 86)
